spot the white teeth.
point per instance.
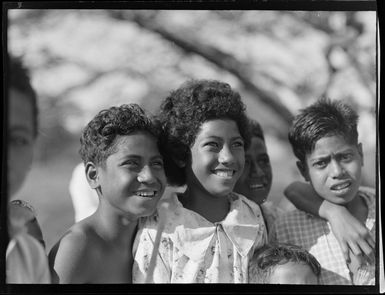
(257, 186)
(146, 194)
(224, 173)
(341, 186)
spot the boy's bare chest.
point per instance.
(112, 266)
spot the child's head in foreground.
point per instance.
(324, 138)
(22, 118)
(283, 264)
(207, 134)
(119, 148)
(255, 181)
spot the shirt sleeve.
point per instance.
(279, 232)
(26, 261)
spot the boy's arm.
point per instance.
(70, 261)
(351, 234)
(303, 196)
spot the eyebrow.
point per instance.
(137, 157)
(321, 157)
(220, 138)
(19, 128)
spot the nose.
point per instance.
(226, 156)
(336, 170)
(146, 175)
(256, 170)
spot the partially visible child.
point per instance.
(284, 264)
(123, 163)
(324, 138)
(255, 181)
(24, 215)
(211, 232)
(26, 261)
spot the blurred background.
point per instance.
(82, 61)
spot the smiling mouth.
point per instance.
(224, 173)
(257, 186)
(341, 186)
(146, 194)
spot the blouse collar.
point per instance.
(193, 233)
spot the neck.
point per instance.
(114, 225)
(212, 208)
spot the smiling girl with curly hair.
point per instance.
(210, 232)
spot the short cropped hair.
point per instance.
(184, 111)
(19, 80)
(256, 130)
(267, 258)
(98, 140)
(322, 119)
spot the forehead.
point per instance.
(257, 145)
(330, 145)
(218, 128)
(292, 272)
(139, 143)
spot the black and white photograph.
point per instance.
(191, 147)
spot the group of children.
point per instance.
(219, 229)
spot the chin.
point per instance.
(338, 200)
(221, 193)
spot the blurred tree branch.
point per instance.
(346, 41)
(217, 57)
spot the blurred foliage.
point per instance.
(84, 60)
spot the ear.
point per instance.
(92, 175)
(179, 163)
(359, 147)
(303, 170)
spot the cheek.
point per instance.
(318, 178)
(203, 161)
(118, 181)
(161, 177)
(20, 159)
(268, 172)
(355, 169)
(19, 164)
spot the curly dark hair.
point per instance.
(19, 80)
(321, 119)
(97, 141)
(184, 111)
(256, 130)
(267, 258)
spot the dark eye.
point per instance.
(131, 163)
(347, 157)
(319, 164)
(212, 144)
(238, 143)
(19, 141)
(158, 164)
(264, 162)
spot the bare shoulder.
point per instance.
(72, 257)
